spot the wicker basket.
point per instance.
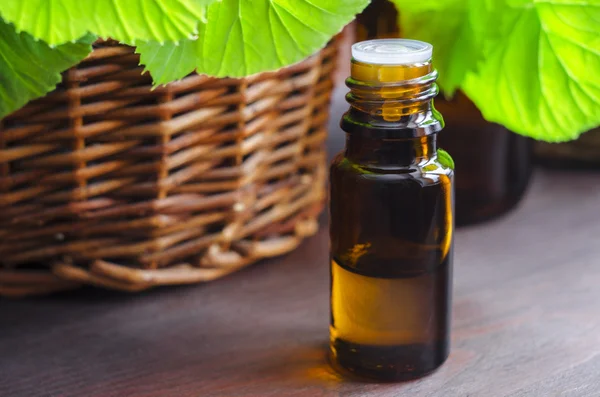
(107, 182)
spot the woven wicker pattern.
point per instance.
(108, 182)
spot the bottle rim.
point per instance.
(392, 51)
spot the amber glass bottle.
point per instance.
(377, 21)
(391, 213)
(494, 164)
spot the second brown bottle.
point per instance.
(494, 164)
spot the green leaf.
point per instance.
(539, 76)
(168, 62)
(61, 21)
(445, 159)
(243, 37)
(442, 23)
(29, 69)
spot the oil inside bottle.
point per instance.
(379, 328)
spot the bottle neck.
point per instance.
(380, 152)
(392, 101)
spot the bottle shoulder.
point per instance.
(431, 171)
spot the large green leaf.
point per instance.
(442, 23)
(61, 21)
(539, 76)
(29, 69)
(243, 37)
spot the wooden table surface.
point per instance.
(526, 320)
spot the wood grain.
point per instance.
(526, 320)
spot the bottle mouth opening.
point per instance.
(392, 52)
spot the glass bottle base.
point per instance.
(386, 363)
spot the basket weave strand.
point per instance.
(107, 182)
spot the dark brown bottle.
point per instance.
(582, 153)
(378, 21)
(494, 164)
(391, 213)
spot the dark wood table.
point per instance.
(526, 320)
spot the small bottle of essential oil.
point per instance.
(392, 218)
